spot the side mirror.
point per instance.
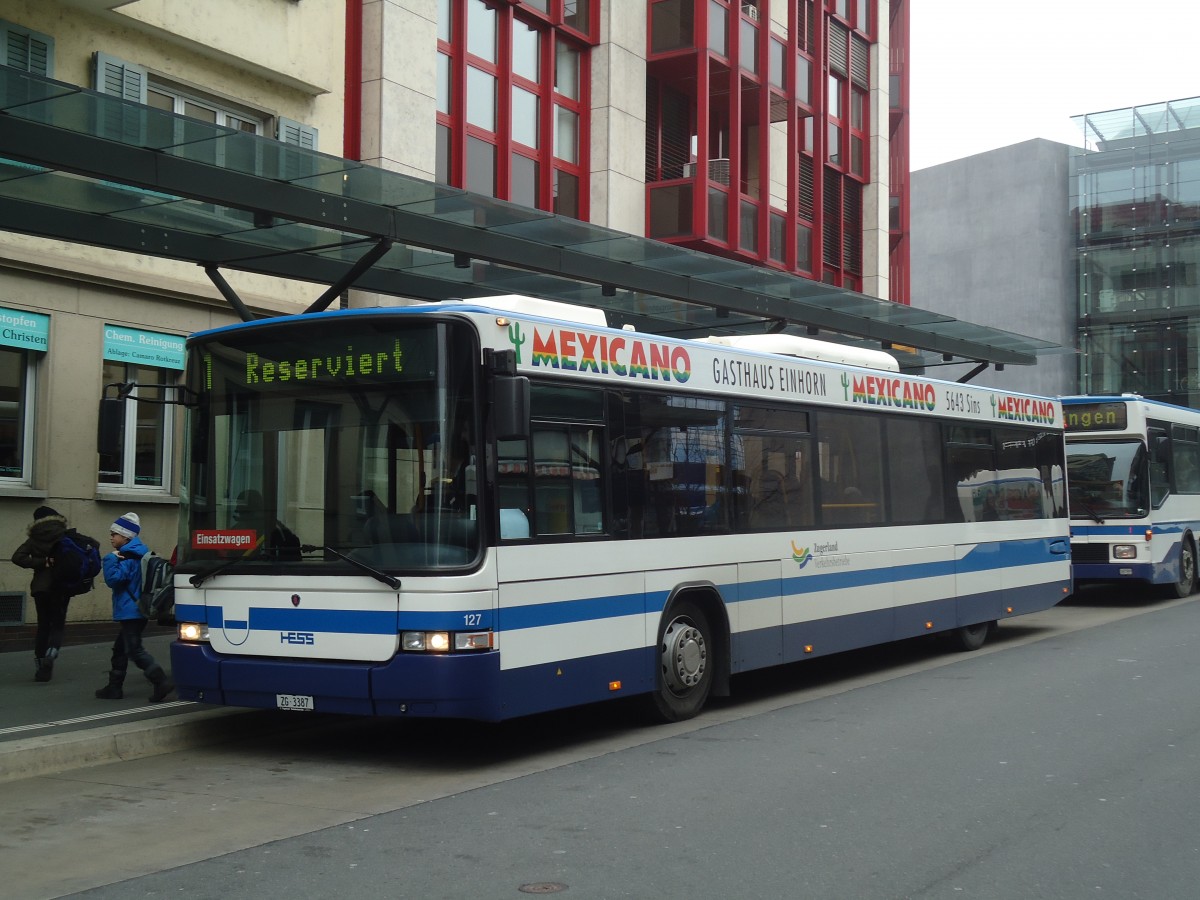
(112, 425)
(510, 408)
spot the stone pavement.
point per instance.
(60, 725)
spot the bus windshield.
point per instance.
(1108, 479)
(357, 441)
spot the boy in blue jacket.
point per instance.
(123, 573)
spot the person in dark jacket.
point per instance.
(123, 573)
(51, 601)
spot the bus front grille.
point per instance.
(1089, 553)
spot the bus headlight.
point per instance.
(1124, 551)
(434, 641)
(196, 632)
(443, 641)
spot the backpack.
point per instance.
(76, 563)
(158, 587)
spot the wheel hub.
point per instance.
(684, 656)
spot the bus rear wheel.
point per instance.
(1186, 582)
(685, 663)
(971, 637)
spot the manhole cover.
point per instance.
(542, 887)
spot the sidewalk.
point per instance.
(59, 725)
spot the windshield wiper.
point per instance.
(1091, 512)
(390, 580)
(200, 577)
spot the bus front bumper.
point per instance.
(409, 684)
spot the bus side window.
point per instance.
(1185, 440)
(971, 462)
(916, 477)
(512, 482)
(851, 460)
(1160, 474)
(568, 490)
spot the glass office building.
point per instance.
(1135, 210)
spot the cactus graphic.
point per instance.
(846, 385)
(993, 399)
(516, 338)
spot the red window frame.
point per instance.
(551, 28)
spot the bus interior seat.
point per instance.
(514, 524)
(391, 528)
(451, 529)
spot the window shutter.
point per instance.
(292, 132)
(124, 81)
(294, 165)
(839, 37)
(860, 56)
(26, 50)
(119, 79)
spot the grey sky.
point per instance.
(987, 74)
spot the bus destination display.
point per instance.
(1084, 417)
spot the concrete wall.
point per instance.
(876, 195)
(991, 244)
(618, 127)
(399, 86)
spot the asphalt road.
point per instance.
(1058, 762)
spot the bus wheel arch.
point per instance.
(969, 638)
(1185, 582)
(691, 654)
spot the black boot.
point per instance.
(112, 690)
(45, 669)
(162, 684)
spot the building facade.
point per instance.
(991, 245)
(766, 131)
(1135, 219)
(1095, 247)
(772, 132)
(76, 317)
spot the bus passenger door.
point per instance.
(756, 619)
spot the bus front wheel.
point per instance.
(685, 663)
(1186, 582)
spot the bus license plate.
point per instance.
(296, 702)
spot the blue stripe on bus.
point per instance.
(346, 621)
(474, 686)
(832, 581)
(1131, 530)
(983, 558)
(308, 620)
(560, 612)
(265, 619)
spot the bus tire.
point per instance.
(685, 663)
(972, 637)
(1186, 581)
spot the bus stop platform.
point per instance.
(54, 726)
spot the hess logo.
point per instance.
(297, 637)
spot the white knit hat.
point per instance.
(128, 525)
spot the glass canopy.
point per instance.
(81, 166)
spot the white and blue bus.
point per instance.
(473, 510)
(1133, 470)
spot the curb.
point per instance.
(54, 754)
